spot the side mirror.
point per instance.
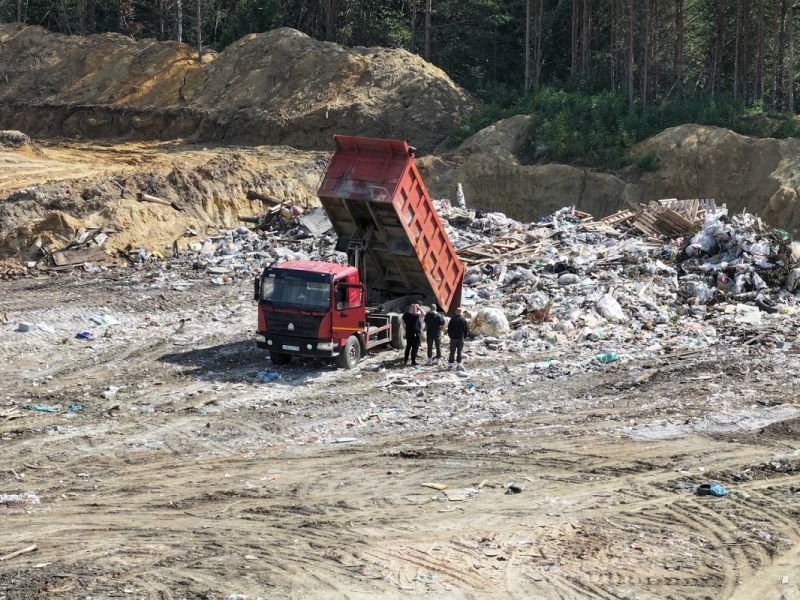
(257, 289)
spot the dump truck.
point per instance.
(398, 253)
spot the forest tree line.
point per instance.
(651, 50)
(597, 75)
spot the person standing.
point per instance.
(433, 328)
(413, 327)
(457, 329)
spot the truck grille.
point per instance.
(304, 325)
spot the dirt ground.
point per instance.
(172, 469)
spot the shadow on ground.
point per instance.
(240, 361)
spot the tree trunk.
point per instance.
(781, 50)
(777, 41)
(790, 33)
(528, 14)
(737, 49)
(428, 7)
(716, 77)
(330, 20)
(758, 84)
(538, 60)
(677, 62)
(91, 16)
(178, 20)
(575, 39)
(586, 41)
(631, 22)
(413, 47)
(647, 43)
(19, 11)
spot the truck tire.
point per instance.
(350, 354)
(280, 358)
(398, 333)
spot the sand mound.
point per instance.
(281, 87)
(211, 193)
(760, 175)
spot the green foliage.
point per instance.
(649, 163)
(599, 129)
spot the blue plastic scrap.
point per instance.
(83, 335)
(606, 357)
(711, 489)
(41, 408)
(267, 376)
(75, 408)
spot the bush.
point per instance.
(599, 129)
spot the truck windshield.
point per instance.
(292, 292)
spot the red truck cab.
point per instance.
(310, 308)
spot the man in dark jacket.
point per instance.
(457, 329)
(433, 328)
(413, 325)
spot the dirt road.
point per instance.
(171, 469)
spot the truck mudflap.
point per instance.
(296, 346)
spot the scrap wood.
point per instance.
(78, 257)
(12, 413)
(19, 553)
(254, 195)
(142, 197)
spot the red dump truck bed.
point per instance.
(372, 191)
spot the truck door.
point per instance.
(349, 314)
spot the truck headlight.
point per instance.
(325, 346)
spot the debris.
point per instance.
(489, 322)
(24, 327)
(711, 489)
(79, 257)
(42, 408)
(26, 498)
(514, 488)
(267, 376)
(11, 414)
(142, 197)
(435, 486)
(606, 358)
(610, 309)
(83, 335)
(32, 548)
(344, 440)
(111, 392)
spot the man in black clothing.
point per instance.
(413, 325)
(433, 328)
(457, 329)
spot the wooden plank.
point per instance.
(78, 257)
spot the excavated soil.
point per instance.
(281, 87)
(173, 471)
(94, 184)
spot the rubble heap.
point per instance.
(619, 285)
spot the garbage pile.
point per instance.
(622, 286)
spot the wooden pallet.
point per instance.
(655, 219)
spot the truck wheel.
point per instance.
(398, 333)
(350, 355)
(280, 358)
